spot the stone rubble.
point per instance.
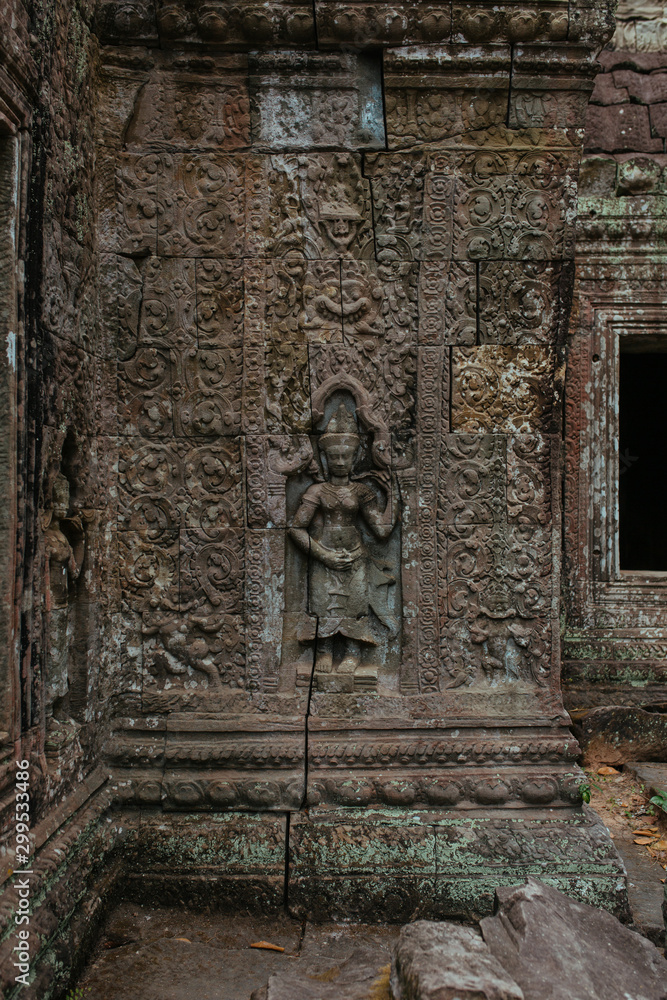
(559, 949)
(439, 961)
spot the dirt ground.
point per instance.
(639, 831)
(168, 954)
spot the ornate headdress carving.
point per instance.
(341, 427)
(60, 493)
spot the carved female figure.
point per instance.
(64, 562)
(346, 583)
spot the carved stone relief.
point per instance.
(313, 101)
(64, 543)
(345, 567)
(337, 381)
(494, 202)
(316, 206)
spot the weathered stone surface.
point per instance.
(454, 204)
(502, 389)
(437, 92)
(554, 947)
(619, 735)
(364, 973)
(619, 128)
(435, 960)
(315, 101)
(304, 390)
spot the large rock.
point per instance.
(621, 734)
(442, 961)
(557, 949)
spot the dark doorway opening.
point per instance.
(643, 457)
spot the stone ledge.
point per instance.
(357, 23)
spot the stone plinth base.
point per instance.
(384, 865)
(391, 865)
(397, 865)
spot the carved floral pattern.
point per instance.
(201, 205)
(502, 388)
(474, 205)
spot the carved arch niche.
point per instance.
(342, 619)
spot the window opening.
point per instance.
(642, 482)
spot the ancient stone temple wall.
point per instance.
(300, 278)
(337, 273)
(54, 634)
(615, 641)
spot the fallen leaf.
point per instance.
(643, 841)
(660, 845)
(187, 940)
(266, 946)
(645, 831)
(607, 770)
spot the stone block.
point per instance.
(620, 128)
(127, 197)
(189, 660)
(114, 21)
(294, 302)
(448, 298)
(264, 603)
(497, 567)
(167, 316)
(250, 26)
(558, 948)
(164, 487)
(606, 91)
(618, 735)
(437, 92)
(645, 88)
(597, 176)
(379, 304)
(381, 24)
(149, 571)
(393, 399)
(234, 843)
(473, 473)
(309, 101)
(658, 115)
(519, 302)
(531, 477)
(212, 571)
(494, 659)
(642, 61)
(201, 205)
(315, 206)
(434, 960)
(502, 389)
(545, 92)
(639, 175)
(465, 204)
(179, 106)
(488, 22)
(219, 311)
